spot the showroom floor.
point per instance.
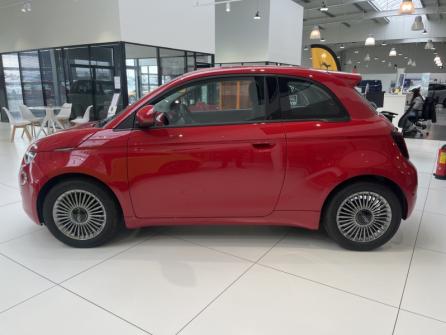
(223, 280)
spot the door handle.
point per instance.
(263, 145)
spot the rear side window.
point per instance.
(305, 100)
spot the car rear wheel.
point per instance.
(363, 216)
(81, 213)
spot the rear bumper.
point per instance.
(410, 189)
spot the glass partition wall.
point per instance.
(87, 75)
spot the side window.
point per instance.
(215, 101)
(304, 100)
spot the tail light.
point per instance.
(401, 144)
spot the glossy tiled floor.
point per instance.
(223, 280)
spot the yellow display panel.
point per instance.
(324, 58)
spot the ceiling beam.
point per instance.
(371, 16)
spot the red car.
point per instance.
(247, 145)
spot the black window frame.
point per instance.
(198, 81)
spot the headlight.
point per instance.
(30, 154)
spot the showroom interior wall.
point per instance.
(53, 23)
(176, 24)
(241, 39)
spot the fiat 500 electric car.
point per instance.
(247, 145)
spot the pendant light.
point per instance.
(424, 31)
(383, 43)
(409, 62)
(356, 51)
(257, 16)
(342, 46)
(437, 58)
(315, 33)
(392, 52)
(429, 45)
(414, 63)
(324, 7)
(228, 7)
(349, 61)
(322, 39)
(305, 48)
(418, 23)
(407, 7)
(370, 40)
(367, 58)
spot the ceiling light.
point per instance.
(389, 64)
(383, 61)
(370, 40)
(356, 51)
(407, 7)
(392, 52)
(322, 39)
(437, 58)
(429, 45)
(424, 31)
(257, 16)
(358, 62)
(228, 7)
(414, 63)
(26, 8)
(315, 33)
(400, 54)
(409, 62)
(418, 23)
(405, 57)
(349, 61)
(383, 43)
(305, 47)
(342, 46)
(367, 58)
(324, 7)
(375, 58)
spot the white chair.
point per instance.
(29, 116)
(18, 124)
(84, 119)
(64, 115)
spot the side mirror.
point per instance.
(146, 116)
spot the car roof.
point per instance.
(320, 75)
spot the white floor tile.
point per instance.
(412, 324)
(15, 223)
(430, 146)
(436, 201)
(8, 195)
(421, 198)
(424, 179)
(378, 275)
(18, 284)
(41, 252)
(160, 284)
(425, 289)
(433, 232)
(249, 242)
(438, 184)
(424, 161)
(58, 312)
(266, 301)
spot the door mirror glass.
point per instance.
(146, 116)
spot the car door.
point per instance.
(314, 124)
(216, 157)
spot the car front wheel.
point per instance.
(363, 216)
(81, 213)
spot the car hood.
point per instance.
(66, 139)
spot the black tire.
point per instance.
(109, 223)
(391, 205)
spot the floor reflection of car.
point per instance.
(438, 91)
(246, 145)
(81, 96)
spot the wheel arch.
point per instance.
(369, 178)
(75, 176)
